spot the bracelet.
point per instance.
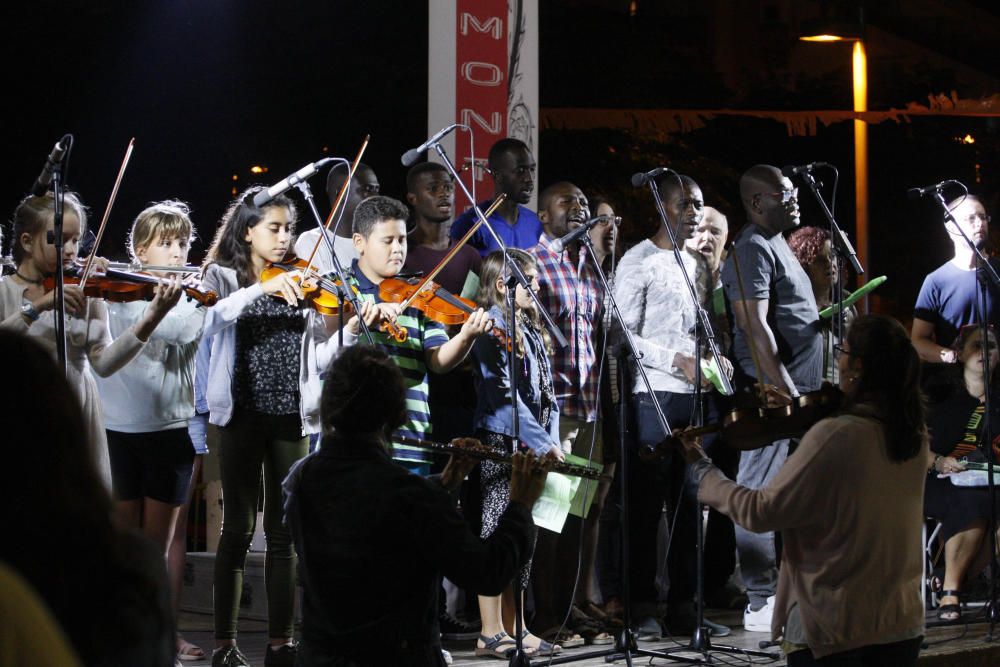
(28, 310)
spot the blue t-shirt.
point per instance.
(523, 234)
(949, 300)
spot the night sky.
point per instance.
(211, 87)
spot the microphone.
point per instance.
(559, 244)
(55, 158)
(640, 179)
(411, 156)
(285, 184)
(917, 193)
(790, 171)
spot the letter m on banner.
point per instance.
(483, 72)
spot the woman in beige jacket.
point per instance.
(849, 504)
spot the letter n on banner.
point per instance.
(483, 72)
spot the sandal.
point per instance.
(500, 646)
(187, 651)
(950, 613)
(591, 629)
(563, 637)
(544, 648)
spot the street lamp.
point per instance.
(846, 32)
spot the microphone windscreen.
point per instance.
(638, 180)
(410, 157)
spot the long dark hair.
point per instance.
(58, 514)
(230, 247)
(890, 382)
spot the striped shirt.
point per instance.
(573, 297)
(422, 334)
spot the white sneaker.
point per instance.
(447, 656)
(760, 620)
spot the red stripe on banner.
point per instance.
(481, 83)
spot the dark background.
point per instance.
(211, 87)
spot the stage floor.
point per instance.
(962, 645)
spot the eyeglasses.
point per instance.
(785, 196)
(609, 220)
(981, 217)
(838, 350)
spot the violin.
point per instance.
(322, 293)
(752, 428)
(125, 286)
(436, 302)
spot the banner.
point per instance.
(482, 72)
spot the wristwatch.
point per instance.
(29, 311)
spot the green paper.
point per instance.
(553, 506)
(710, 369)
(855, 296)
(584, 496)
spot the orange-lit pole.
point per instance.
(860, 71)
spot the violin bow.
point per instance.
(336, 204)
(107, 214)
(452, 252)
(751, 343)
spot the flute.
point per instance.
(488, 454)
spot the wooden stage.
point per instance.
(961, 645)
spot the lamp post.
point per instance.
(859, 68)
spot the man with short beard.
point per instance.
(949, 298)
(364, 185)
(656, 306)
(777, 325)
(513, 169)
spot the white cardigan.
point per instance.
(318, 349)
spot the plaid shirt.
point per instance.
(574, 299)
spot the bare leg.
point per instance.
(960, 551)
(491, 615)
(176, 557)
(128, 513)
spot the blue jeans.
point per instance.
(758, 558)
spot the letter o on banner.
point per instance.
(482, 74)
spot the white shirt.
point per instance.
(343, 247)
(155, 391)
(656, 307)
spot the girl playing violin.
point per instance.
(538, 421)
(148, 403)
(263, 393)
(26, 306)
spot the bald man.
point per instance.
(772, 304)
(364, 185)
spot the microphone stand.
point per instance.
(704, 337)
(625, 645)
(56, 237)
(840, 247)
(347, 295)
(514, 276)
(985, 274)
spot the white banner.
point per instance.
(482, 72)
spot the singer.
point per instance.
(513, 169)
(948, 299)
(656, 306)
(572, 294)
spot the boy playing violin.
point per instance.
(380, 239)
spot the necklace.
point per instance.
(28, 280)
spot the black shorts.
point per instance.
(153, 465)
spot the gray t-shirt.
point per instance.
(770, 271)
